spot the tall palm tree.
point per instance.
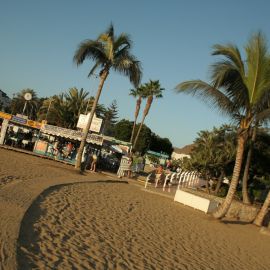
(240, 89)
(136, 93)
(150, 90)
(108, 52)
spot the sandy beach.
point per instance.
(103, 223)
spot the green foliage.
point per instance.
(159, 144)
(122, 130)
(32, 106)
(214, 151)
(144, 139)
(64, 109)
(153, 159)
(110, 119)
(260, 169)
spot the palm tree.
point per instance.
(150, 90)
(20, 105)
(245, 178)
(203, 154)
(56, 111)
(136, 93)
(76, 100)
(108, 52)
(263, 211)
(225, 152)
(239, 89)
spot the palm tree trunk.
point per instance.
(138, 106)
(145, 112)
(246, 198)
(138, 133)
(220, 179)
(223, 209)
(263, 211)
(103, 77)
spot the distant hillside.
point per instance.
(187, 149)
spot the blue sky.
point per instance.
(172, 39)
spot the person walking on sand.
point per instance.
(94, 162)
(159, 174)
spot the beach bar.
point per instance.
(51, 137)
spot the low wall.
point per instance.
(237, 210)
(193, 200)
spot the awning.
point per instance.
(117, 149)
(71, 134)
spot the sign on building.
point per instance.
(95, 125)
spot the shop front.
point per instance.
(18, 131)
(62, 143)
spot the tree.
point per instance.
(144, 139)
(56, 111)
(110, 119)
(64, 109)
(20, 105)
(108, 52)
(76, 101)
(136, 93)
(151, 90)
(239, 89)
(245, 178)
(213, 152)
(159, 144)
(263, 211)
(122, 130)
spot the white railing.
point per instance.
(183, 179)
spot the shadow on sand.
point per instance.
(28, 235)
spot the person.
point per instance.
(159, 173)
(67, 151)
(94, 162)
(130, 161)
(168, 164)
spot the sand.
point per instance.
(105, 223)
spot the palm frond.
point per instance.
(209, 94)
(94, 68)
(133, 92)
(232, 53)
(263, 116)
(258, 66)
(128, 65)
(90, 49)
(122, 41)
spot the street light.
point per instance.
(48, 109)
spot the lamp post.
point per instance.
(51, 101)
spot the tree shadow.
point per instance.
(239, 222)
